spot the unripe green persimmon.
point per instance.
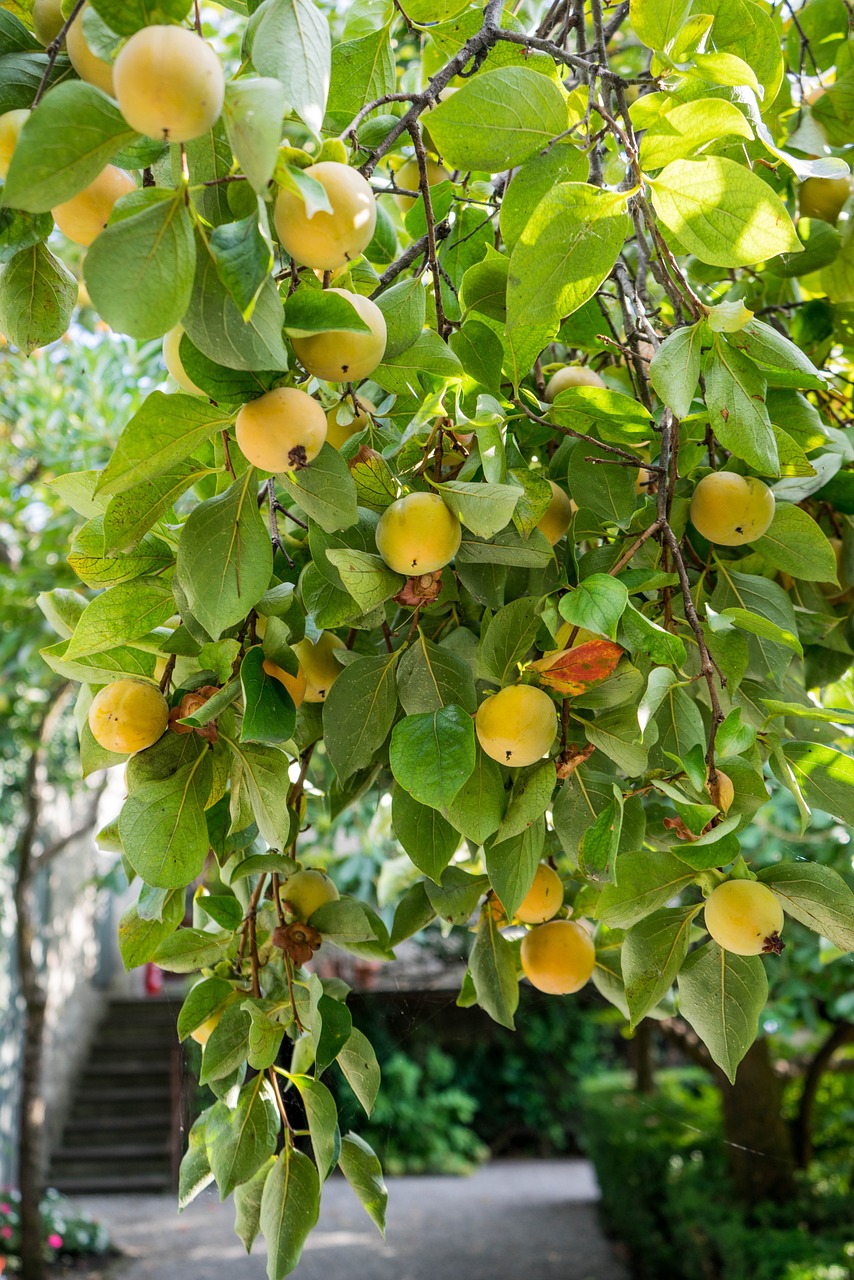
(517, 725)
(418, 534)
(47, 20)
(446, 93)
(730, 509)
(169, 83)
(744, 917)
(339, 355)
(128, 715)
(88, 65)
(295, 685)
(84, 216)
(554, 522)
(572, 375)
(11, 124)
(174, 364)
(317, 660)
(282, 430)
(337, 433)
(558, 957)
(408, 176)
(328, 240)
(823, 198)
(305, 892)
(544, 898)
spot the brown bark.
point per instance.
(759, 1148)
(841, 1033)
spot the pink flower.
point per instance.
(6, 1233)
(54, 1241)
(5, 1208)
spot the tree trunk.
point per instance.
(641, 1055)
(758, 1145)
(841, 1033)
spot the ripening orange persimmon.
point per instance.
(823, 198)
(317, 661)
(745, 917)
(295, 685)
(128, 715)
(517, 725)
(328, 240)
(174, 363)
(418, 534)
(558, 957)
(408, 176)
(339, 355)
(555, 520)
(337, 433)
(282, 430)
(730, 509)
(544, 898)
(571, 375)
(169, 83)
(84, 216)
(86, 63)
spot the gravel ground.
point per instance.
(510, 1220)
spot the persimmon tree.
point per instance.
(586, 621)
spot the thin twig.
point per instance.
(53, 49)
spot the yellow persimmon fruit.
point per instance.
(744, 917)
(328, 240)
(128, 715)
(339, 355)
(558, 957)
(823, 198)
(47, 20)
(88, 65)
(571, 375)
(282, 430)
(317, 661)
(169, 83)
(408, 177)
(337, 433)
(418, 534)
(174, 364)
(730, 509)
(517, 725)
(295, 685)
(544, 898)
(84, 216)
(203, 1032)
(11, 124)
(305, 892)
(554, 522)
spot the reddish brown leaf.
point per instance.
(572, 670)
(423, 589)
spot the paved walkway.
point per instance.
(511, 1220)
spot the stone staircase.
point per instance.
(119, 1133)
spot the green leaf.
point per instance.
(644, 882)
(228, 1044)
(264, 770)
(432, 755)
(512, 864)
(596, 604)
(361, 1070)
(269, 714)
(507, 639)
(364, 1172)
(483, 508)
(477, 807)
(796, 544)
(322, 1115)
(203, 1000)
(309, 311)
(680, 132)
(735, 395)
(428, 355)
(652, 955)
(366, 577)
(325, 490)
(247, 1205)
(139, 271)
(597, 851)
(429, 839)
(644, 635)
(162, 826)
(431, 676)
(122, 614)
(290, 41)
(37, 296)
(722, 213)
(817, 896)
(131, 514)
(217, 328)
(404, 307)
(163, 432)
(139, 939)
(243, 258)
(191, 949)
(657, 23)
(769, 656)
(290, 1205)
(195, 1172)
(498, 119)
(127, 16)
(240, 1141)
(763, 627)
(563, 162)
(825, 776)
(253, 112)
(362, 71)
(359, 711)
(225, 557)
(414, 911)
(52, 162)
(606, 491)
(493, 969)
(674, 370)
(457, 896)
(614, 417)
(722, 995)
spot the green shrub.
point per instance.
(66, 1231)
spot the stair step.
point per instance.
(135, 1151)
(127, 1068)
(109, 1184)
(119, 1123)
(115, 1138)
(117, 1165)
